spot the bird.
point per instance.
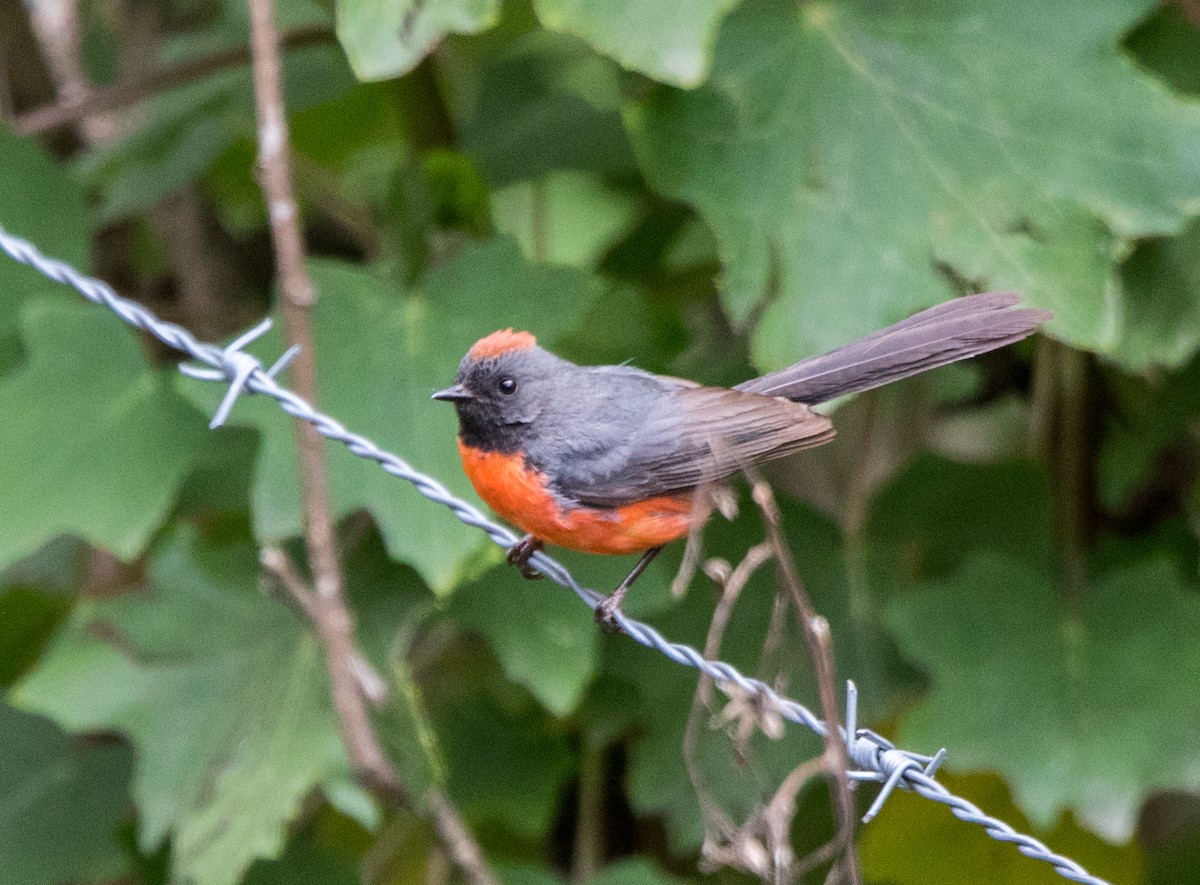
(609, 459)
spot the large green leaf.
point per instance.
(1090, 713)
(848, 150)
(380, 354)
(223, 694)
(61, 802)
(670, 41)
(41, 203)
(103, 442)
(27, 620)
(387, 38)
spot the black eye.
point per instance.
(507, 385)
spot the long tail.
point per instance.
(956, 330)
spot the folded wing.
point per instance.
(706, 435)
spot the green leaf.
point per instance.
(844, 149)
(27, 618)
(188, 129)
(543, 636)
(936, 512)
(63, 799)
(1167, 43)
(40, 203)
(968, 853)
(387, 38)
(380, 355)
(104, 442)
(565, 218)
(1089, 713)
(1149, 419)
(223, 694)
(636, 871)
(505, 766)
(670, 41)
(543, 104)
(1162, 284)
(307, 861)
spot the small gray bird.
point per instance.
(607, 459)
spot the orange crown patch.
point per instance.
(501, 342)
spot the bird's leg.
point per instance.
(609, 606)
(519, 553)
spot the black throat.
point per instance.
(489, 436)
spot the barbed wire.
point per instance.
(878, 760)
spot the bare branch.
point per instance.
(278, 564)
(327, 605)
(330, 614)
(458, 842)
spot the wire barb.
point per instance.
(236, 367)
(879, 759)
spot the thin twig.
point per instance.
(331, 618)
(781, 810)
(330, 614)
(120, 95)
(458, 842)
(820, 650)
(279, 564)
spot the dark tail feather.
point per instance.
(956, 330)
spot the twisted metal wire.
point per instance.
(878, 759)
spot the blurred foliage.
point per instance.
(1006, 551)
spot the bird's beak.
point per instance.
(455, 394)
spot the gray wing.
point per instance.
(692, 436)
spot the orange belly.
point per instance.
(520, 495)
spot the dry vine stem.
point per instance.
(325, 605)
(100, 99)
(725, 843)
(761, 845)
(820, 650)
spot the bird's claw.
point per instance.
(519, 554)
(606, 614)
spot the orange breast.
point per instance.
(521, 496)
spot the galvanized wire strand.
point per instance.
(879, 760)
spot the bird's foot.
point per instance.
(606, 613)
(519, 554)
(610, 606)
